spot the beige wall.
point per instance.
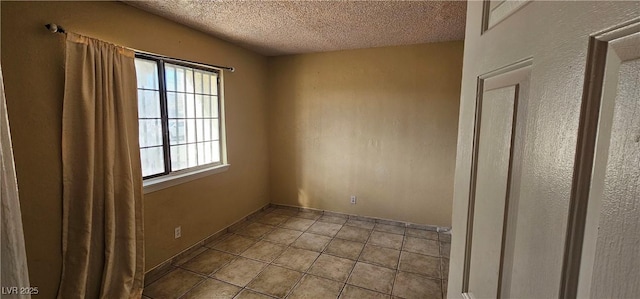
(379, 123)
(32, 62)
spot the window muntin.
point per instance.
(179, 116)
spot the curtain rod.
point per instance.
(54, 28)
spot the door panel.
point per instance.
(494, 152)
(610, 260)
(617, 260)
(497, 129)
(498, 10)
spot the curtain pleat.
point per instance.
(14, 272)
(102, 238)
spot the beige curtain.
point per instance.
(102, 237)
(14, 271)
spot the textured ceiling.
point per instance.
(292, 27)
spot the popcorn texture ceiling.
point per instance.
(292, 27)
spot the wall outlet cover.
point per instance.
(177, 232)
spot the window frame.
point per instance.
(169, 177)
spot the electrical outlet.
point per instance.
(353, 199)
(177, 232)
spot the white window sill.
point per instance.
(170, 180)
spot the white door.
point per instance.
(547, 195)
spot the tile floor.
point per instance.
(283, 253)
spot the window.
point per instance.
(179, 111)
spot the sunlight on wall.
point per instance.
(378, 123)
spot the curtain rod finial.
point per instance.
(54, 28)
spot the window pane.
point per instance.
(201, 154)
(214, 84)
(142, 108)
(206, 106)
(207, 126)
(206, 84)
(191, 130)
(147, 73)
(215, 150)
(189, 76)
(181, 106)
(200, 129)
(198, 81)
(208, 152)
(172, 109)
(191, 109)
(152, 161)
(180, 79)
(214, 106)
(170, 77)
(199, 101)
(175, 105)
(177, 132)
(215, 129)
(192, 154)
(179, 157)
(148, 104)
(150, 132)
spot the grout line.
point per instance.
(272, 262)
(404, 239)
(285, 249)
(239, 255)
(306, 272)
(170, 269)
(295, 285)
(357, 260)
(193, 287)
(323, 251)
(344, 283)
(254, 291)
(270, 209)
